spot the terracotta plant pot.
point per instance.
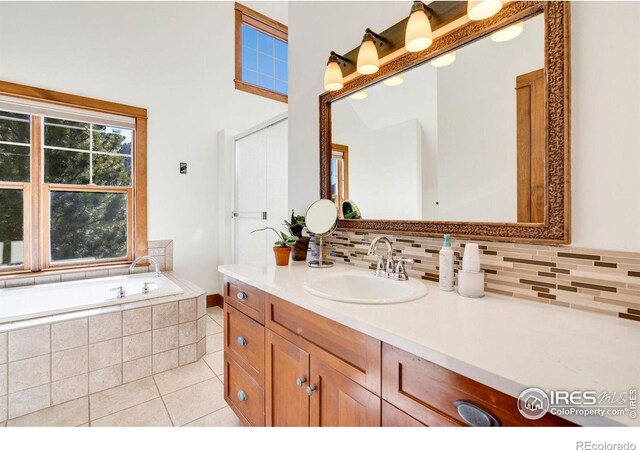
(282, 255)
(300, 249)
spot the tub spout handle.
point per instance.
(145, 289)
(120, 291)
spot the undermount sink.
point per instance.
(365, 288)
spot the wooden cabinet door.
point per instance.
(287, 403)
(337, 401)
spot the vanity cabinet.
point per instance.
(287, 366)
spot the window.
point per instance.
(72, 181)
(261, 55)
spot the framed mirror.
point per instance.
(469, 137)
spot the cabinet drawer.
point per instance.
(244, 340)
(427, 392)
(245, 298)
(393, 417)
(243, 393)
(351, 352)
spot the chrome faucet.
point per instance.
(391, 269)
(141, 258)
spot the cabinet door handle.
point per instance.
(241, 341)
(242, 396)
(474, 415)
(242, 296)
(310, 390)
(300, 381)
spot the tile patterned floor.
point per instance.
(190, 395)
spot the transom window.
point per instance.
(261, 54)
(68, 185)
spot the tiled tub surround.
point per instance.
(161, 251)
(602, 281)
(55, 359)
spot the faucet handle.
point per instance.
(399, 271)
(120, 291)
(380, 265)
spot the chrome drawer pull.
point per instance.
(241, 341)
(242, 396)
(310, 390)
(242, 296)
(475, 415)
(300, 381)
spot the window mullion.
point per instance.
(91, 154)
(35, 230)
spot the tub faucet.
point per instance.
(141, 258)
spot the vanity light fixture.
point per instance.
(508, 33)
(418, 35)
(483, 9)
(395, 80)
(368, 61)
(333, 79)
(360, 95)
(444, 60)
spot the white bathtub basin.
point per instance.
(46, 299)
(365, 288)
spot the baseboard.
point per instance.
(215, 300)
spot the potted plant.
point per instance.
(282, 247)
(295, 226)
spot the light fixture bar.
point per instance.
(442, 13)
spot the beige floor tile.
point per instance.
(70, 414)
(191, 403)
(122, 397)
(224, 417)
(215, 342)
(148, 414)
(215, 312)
(215, 361)
(212, 326)
(182, 377)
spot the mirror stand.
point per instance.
(320, 263)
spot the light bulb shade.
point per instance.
(483, 9)
(395, 80)
(333, 80)
(359, 95)
(418, 35)
(506, 34)
(368, 62)
(444, 60)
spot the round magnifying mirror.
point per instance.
(321, 219)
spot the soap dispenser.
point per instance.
(446, 265)
(471, 277)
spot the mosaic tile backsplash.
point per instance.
(602, 281)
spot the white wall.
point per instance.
(175, 59)
(477, 126)
(605, 107)
(375, 156)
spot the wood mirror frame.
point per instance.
(556, 226)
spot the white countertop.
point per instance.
(503, 342)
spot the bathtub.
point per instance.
(88, 340)
(31, 302)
